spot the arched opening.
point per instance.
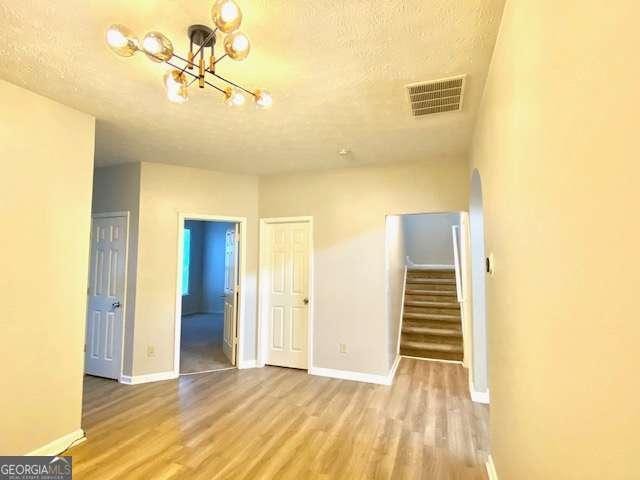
(479, 374)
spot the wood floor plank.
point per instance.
(285, 424)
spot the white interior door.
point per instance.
(287, 259)
(230, 293)
(105, 325)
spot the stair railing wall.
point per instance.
(455, 229)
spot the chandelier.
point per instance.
(226, 16)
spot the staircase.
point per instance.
(431, 325)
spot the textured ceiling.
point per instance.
(336, 69)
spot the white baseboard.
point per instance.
(491, 469)
(428, 266)
(357, 376)
(244, 364)
(478, 397)
(59, 445)
(438, 360)
(148, 378)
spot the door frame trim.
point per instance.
(262, 295)
(242, 221)
(127, 216)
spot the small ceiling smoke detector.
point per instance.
(436, 96)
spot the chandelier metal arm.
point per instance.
(223, 56)
(188, 62)
(196, 77)
(231, 83)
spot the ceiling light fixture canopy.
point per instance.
(226, 16)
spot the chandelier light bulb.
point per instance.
(235, 98)
(226, 15)
(263, 99)
(121, 40)
(157, 47)
(237, 45)
(174, 79)
(176, 84)
(229, 12)
(178, 95)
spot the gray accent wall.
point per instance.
(117, 189)
(429, 239)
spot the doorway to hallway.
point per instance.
(208, 302)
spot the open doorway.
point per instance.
(425, 285)
(208, 301)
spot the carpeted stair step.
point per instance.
(431, 281)
(445, 331)
(431, 316)
(437, 351)
(431, 304)
(431, 273)
(447, 295)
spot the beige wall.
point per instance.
(165, 192)
(557, 149)
(46, 151)
(117, 189)
(349, 207)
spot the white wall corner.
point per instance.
(491, 469)
(59, 445)
(392, 372)
(148, 378)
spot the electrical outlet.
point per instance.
(151, 351)
(343, 348)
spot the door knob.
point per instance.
(306, 301)
(115, 305)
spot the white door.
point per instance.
(287, 259)
(105, 306)
(230, 293)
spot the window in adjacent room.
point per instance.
(186, 256)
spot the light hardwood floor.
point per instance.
(284, 424)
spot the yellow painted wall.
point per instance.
(46, 153)
(557, 148)
(349, 208)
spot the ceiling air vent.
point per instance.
(436, 96)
